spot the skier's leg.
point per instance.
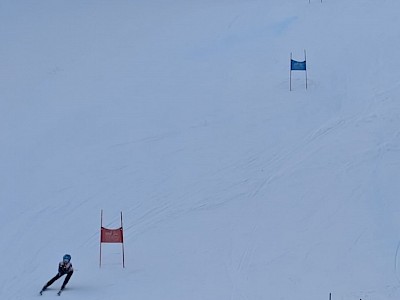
(67, 279)
(51, 281)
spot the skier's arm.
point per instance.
(60, 269)
(64, 269)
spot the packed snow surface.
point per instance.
(178, 113)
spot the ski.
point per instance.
(58, 293)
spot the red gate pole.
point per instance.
(123, 254)
(101, 230)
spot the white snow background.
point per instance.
(178, 113)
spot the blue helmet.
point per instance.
(66, 258)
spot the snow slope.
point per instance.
(179, 114)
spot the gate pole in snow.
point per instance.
(123, 254)
(101, 226)
(305, 60)
(112, 236)
(297, 66)
(290, 76)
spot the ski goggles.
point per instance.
(66, 258)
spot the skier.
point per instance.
(64, 267)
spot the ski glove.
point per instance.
(64, 268)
